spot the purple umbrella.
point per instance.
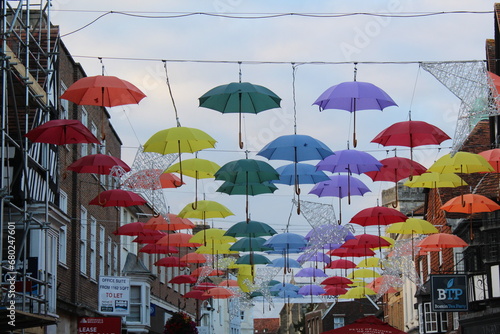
(311, 290)
(353, 96)
(310, 272)
(314, 257)
(340, 186)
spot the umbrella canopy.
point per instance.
(284, 262)
(363, 273)
(357, 293)
(395, 169)
(240, 97)
(207, 271)
(412, 226)
(205, 209)
(219, 293)
(253, 259)
(353, 96)
(194, 258)
(369, 262)
(149, 237)
(353, 252)
(228, 283)
(441, 240)
(205, 286)
(311, 290)
(334, 290)
(365, 325)
(378, 215)
(314, 257)
(117, 197)
(301, 173)
(174, 223)
(436, 180)
(169, 180)
(151, 179)
(196, 294)
(310, 272)
(295, 148)
(340, 186)
(212, 235)
(341, 264)
(179, 140)
(245, 171)
(250, 244)
(104, 91)
(251, 189)
(183, 279)
(461, 162)
(130, 229)
(385, 284)
(366, 241)
(286, 241)
(470, 203)
(102, 164)
(216, 249)
(250, 228)
(158, 249)
(349, 161)
(62, 132)
(178, 239)
(336, 280)
(493, 157)
(170, 261)
(196, 168)
(283, 287)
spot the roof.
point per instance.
(266, 325)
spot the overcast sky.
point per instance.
(132, 48)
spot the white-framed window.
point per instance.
(443, 317)
(93, 129)
(109, 257)
(93, 248)
(458, 257)
(430, 319)
(162, 274)
(102, 247)
(421, 269)
(429, 264)
(64, 111)
(456, 319)
(115, 258)
(440, 253)
(85, 120)
(63, 201)
(139, 304)
(83, 240)
(63, 244)
(338, 321)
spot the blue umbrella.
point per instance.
(289, 294)
(295, 148)
(303, 173)
(284, 262)
(283, 287)
(314, 257)
(310, 272)
(286, 241)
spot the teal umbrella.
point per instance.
(249, 244)
(250, 228)
(251, 189)
(240, 97)
(252, 259)
(246, 171)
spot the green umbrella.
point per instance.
(251, 189)
(247, 171)
(252, 259)
(250, 228)
(240, 97)
(249, 244)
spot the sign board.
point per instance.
(449, 293)
(100, 325)
(114, 295)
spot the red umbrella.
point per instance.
(104, 91)
(194, 258)
(378, 215)
(158, 249)
(212, 272)
(196, 294)
(183, 279)
(204, 286)
(341, 264)
(228, 282)
(117, 197)
(61, 132)
(334, 290)
(365, 241)
(411, 134)
(178, 239)
(336, 280)
(170, 261)
(170, 180)
(98, 164)
(131, 229)
(175, 223)
(493, 157)
(354, 252)
(149, 238)
(369, 324)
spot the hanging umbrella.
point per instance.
(311, 272)
(117, 197)
(366, 241)
(253, 259)
(228, 283)
(436, 180)
(286, 241)
(170, 261)
(205, 209)
(300, 172)
(411, 134)
(334, 290)
(352, 252)
(149, 238)
(178, 239)
(104, 91)
(385, 284)
(341, 264)
(378, 215)
(493, 157)
(158, 249)
(287, 294)
(366, 325)
(150, 179)
(314, 257)
(283, 287)
(130, 229)
(471, 203)
(461, 162)
(219, 293)
(169, 180)
(174, 223)
(441, 240)
(412, 226)
(62, 132)
(212, 236)
(311, 290)
(369, 262)
(240, 97)
(340, 186)
(205, 286)
(284, 262)
(183, 279)
(250, 228)
(209, 271)
(363, 273)
(357, 293)
(336, 280)
(194, 258)
(349, 161)
(215, 249)
(295, 148)
(251, 189)
(196, 294)
(102, 164)
(250, 244)
(179, 140)
(353, 96)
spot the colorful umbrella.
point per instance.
(353, 96)
(336, 280)
(62, 132)
(183, 279)
(341, 264)
(150, 237)
(151, 179)
(178, 239)
(471, 203)
(286, 241)
(369, 262)
(117, 197)
(461, 162)
(301, 173)
(228, 283)
(311, 272)
(253, 259)
(194, 258)
(219, 293)
(196, 294)
(493, 157)
(204, 286)
(250, 244)
(311, 290)
(250, 228)
(436, 180)
(349, 161)
(212, 235)
(378, 215)
(240, 97)
(353, 252)
(411, 134)
(205, 209)
(174, 223)
(104, 91)
(169, 180)
(357, 293)
(158, 249)
(314, 257)
(102, 164)
(365, 325)
(248, 189)
(366, 241)
(334, 290)
(412, 226)
(170, 261)
(385, 284)
(441, 240)
(130, 229)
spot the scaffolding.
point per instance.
(28, 175)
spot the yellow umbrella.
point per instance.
(205, 209)
(412, 226)
(357, 282)
(369, 262)
(357, 293)
(216, 249)
(212, 235)
(436, 180)
(363, 273)
(461, 162)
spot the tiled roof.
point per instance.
(266, 325)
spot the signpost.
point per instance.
(100, 325)
(449, 293)
(114, 295)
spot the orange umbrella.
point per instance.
(196, 294)
(385, 284)
(194, 258)
(228, 282)
(212, 272)
(177, 239)
(169, 180)
(441, 240)
(472, 203)
(219, 293)
(175, 223)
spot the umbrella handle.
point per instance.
(462, 200)
(395, 204)
(241, 142)
(194, 205)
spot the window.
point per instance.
(85, 121)
(93, 248)
(444, 321)
(63, 201)
(93, 129)
(110, 257)
(459, 260)
(63, 103)
(456, 319)
(429, 263)
(63, 239)
(115, 259)
(102, 245)
(139, 304)
(83, 241)
(430, 319)
(338, 321)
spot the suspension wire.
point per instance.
(414, 90)
(294, 99)
(170, 92)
